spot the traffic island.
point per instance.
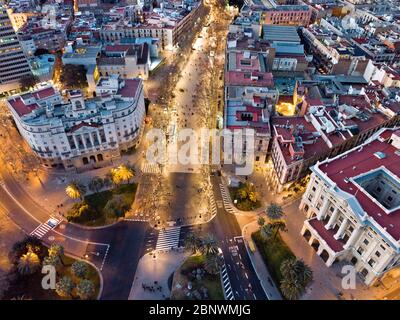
(103, 208)
(245, 197)
(192, 282)
(74, 279)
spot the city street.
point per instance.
(175, 193)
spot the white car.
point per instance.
(52, 222)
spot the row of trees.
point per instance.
(296, 275)
(116, 176)
(208, 247)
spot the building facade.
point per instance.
(288, 15)
(13, 63)
(352, 205)
(79, 133)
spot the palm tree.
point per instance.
(56, 251)
(28, 263)
(209, 246)
(291, 290)
(242, 193)
(115, 177)
(125, 173)
(213, 263)
(192, 243)
(85, 289)
(96, 184)
(274, 211)
(266, 231)
(261, 221)
(253, 196)
(278, 226)
(107, 181)
(52, 260)
(64, 287)
(75, 190)
(79, 269)
(296, 276)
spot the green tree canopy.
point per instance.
(64, 287)
(85, 289)
(79, 269)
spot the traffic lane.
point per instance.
(81, 233)
(226, 227)
(126, 241)
(20, 196)
(23, 219)
(244, 284)
(256, 290)
(93, 252)
(150, 241)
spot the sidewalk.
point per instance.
(259, 265)
(327, 281)
(158, 269)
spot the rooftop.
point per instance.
(280, 33)
(347, 169)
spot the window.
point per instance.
(378, 254)
(313, 189)
(360, 250)
(371, 262)
(366, 242)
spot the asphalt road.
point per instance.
(225, 228)
(115, 250)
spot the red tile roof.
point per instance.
(284, 135)
(44, 93)
(118, 48)
(244, 78)
(20, 107)
(357, 162)
(130, 88)
(83, 124)
(327, 235)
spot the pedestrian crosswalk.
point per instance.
(151, 168)
(42, 229)
(213, 205)
(226, 284)
(136, 219)
(168, 238)
(226, 200)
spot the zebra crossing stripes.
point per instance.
(136, 219)
(213, 205)
(151, 168)
(226, 284)
(168, 238)
(42, 229)
(226, 200)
